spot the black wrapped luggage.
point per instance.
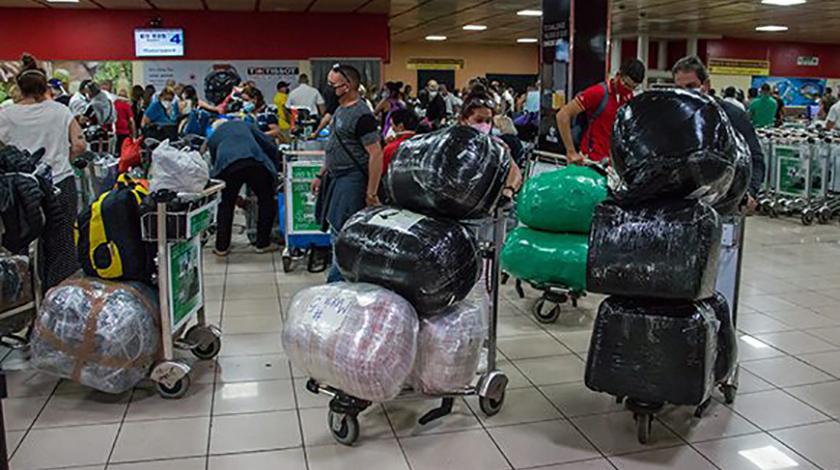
(432, 263)
(740, 183)
(455, 173)
(666, 251)
(727, 359)
(654, 352)
(673, 143)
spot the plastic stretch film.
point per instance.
(727, 340)
(177, 170)
(432, 263)
(668, 251)
(359, 338)
(456, 173)
(15, 282)
(673, 143)
(561, 200)
(449, 346)
(730, 203)
(546, 258)
(101, 334)
(654, 351)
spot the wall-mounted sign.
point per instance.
(808, 61)
(159, 42)
(739, 67)
(794, 91)
(420, 63)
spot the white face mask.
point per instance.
(433, 94)
(166, 104)
(391, 133)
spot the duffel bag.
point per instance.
(432, 263)
(654, 351)
(546, 258)
(667, 251)
(562, 200)
(110, 244)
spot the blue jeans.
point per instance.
(334, 275)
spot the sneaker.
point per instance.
(221, 253)
(266, 249)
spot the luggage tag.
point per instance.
(396, 219)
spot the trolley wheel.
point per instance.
(287, 264)
(824, 215)
(176, 391)
(491, 407)
(543, 316)
(771, 211)
(208, 347)
(729, 393)
(344, 427)
(644, 424)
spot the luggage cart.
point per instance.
(548, 308)
(728, 284)
(177, 225)
(489, 385)
(19, 317)
(97, 173)
(296, 204)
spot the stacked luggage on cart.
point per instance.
(412, 317)
(664, 336)
(549, 249)
(113, 327)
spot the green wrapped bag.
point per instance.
(546, 258)
(561, 200)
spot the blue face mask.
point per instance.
(248, 106)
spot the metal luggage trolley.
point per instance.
(177, 225)
(729, 284)
(298, 224)
(97, 173)
(17, 318)
(547, 308)
(489, 386)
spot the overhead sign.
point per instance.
(808, 61)
(793, 90)
(159, 42)
(739, 67)
(434, 64)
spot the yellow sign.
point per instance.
(434, 64)
(739, 67)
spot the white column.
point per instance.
(691, 46)
(642, 50)
(615, 55)
(662, 55)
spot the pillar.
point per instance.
(643, 48)
(691, 46)
(662, 56)
(615, 55)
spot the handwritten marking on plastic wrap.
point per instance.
(329, 313)
(396, 219)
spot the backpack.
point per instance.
(579, 126)
(110, 244)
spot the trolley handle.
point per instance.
(167, 196)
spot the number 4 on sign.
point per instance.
(176, 39)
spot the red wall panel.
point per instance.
(52, 34)
(782, 56)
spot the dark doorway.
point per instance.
(443, 77)
(520, 83)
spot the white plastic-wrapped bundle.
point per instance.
(449, 345)
(104, 335)
(359, 338)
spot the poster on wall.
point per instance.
(71, 73)
(264, 73)
(794, 91)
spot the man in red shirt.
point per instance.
(125, 126)
(600, 102)
(404, 124)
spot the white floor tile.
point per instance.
(543, 443)
(253, 368)
(683, 458)
(404, 414)
(523, 347)
(20, 413)
(615, 433)
(167, 439)
(575, 400)
(717, 421)
(86, 409)
(253, 397)
(63, 447)
(284, 459)
(521, 406)
(382, 454)
(824, 397)
(753, 452)
(146, 404)
(826, 361)
(179, 464)
(775, 409)
(255, 432)
(552, 370)
(796, 342)
(785, 371)
(818, 443)
(466, 450)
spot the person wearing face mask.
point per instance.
(257, 112)
(349, 179)
(161, 111)
(478, 113)
(436, 106)
(391, 102)
(404, 124)
(600, 102)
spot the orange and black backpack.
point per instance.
(110, 244)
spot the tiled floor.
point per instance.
(249, 410)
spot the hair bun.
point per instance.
(28, 62)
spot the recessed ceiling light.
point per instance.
(771, 28)
(436, 38)
(529, 12)
(527, 40)
(474, 27)
(784, 3)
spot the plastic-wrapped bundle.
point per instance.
(673, 143)
(727, 340)
(667, 251)
(449, 346)
(359, 338)
(561, 200)
(654, 351)
(740, 183)
(15, 282)
(432, 263)
(456, 173)
(104, 335)
(546, 258)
